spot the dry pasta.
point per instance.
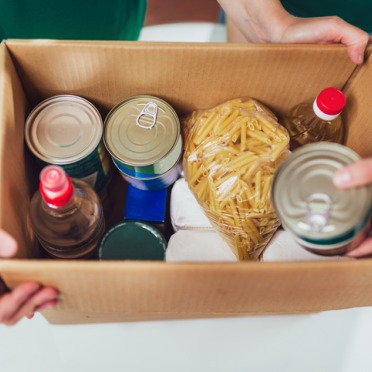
(231, 154)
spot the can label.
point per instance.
(156, 183)
(95, 169)
(322, 218)
(157, 169)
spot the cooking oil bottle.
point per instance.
(66, 215)
(317, 121)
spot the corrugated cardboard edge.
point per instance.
(175, 77)
(150, 291)
(13, 105)
(359, 114)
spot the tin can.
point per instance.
(66, 130)
(132, 240)
(143, 136)
(323, 219)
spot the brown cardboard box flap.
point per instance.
(188, 76)
(149, 290)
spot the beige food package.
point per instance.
(231, 154)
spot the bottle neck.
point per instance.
(321, 115)
(61, 210)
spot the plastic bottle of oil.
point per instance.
(66, 215)
(317, 121)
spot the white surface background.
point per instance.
(339, 341)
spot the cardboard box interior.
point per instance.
(188, 76)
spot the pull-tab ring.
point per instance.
(318, 210)
(150, 109)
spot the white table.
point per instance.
(335, 341)
(338, 341)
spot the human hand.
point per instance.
(266, 21)
(26, 298)
(354, 175)
(325, 30)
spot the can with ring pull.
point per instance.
(143, 136)
(323, 219)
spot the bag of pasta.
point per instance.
(231, 154)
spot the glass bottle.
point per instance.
(66, 215)
(317, 121)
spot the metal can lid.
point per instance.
(63, 129)
(306, 200)
(132, 240)
(141, 130)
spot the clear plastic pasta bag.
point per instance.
(231, 154)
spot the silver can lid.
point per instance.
(141, 130)
(306, 200)
(63, 129)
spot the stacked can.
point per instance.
(132, 240)
(322, 218)
(66, 130)
(143, 136)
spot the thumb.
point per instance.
(8, 245)
(353, 175)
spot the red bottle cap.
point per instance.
(331, 101)
(55, 186)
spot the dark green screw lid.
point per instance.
(132, 240)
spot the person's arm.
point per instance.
(354, 175)
(266, 21)
(26, 298)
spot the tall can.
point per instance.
(143, 136)
(66, 130)
(323, 219)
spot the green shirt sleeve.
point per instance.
(72, 19)
(356, 12)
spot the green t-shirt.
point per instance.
(72, 19)
(356, 12)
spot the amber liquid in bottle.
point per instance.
(305, 127)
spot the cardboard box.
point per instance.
(188, 76)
